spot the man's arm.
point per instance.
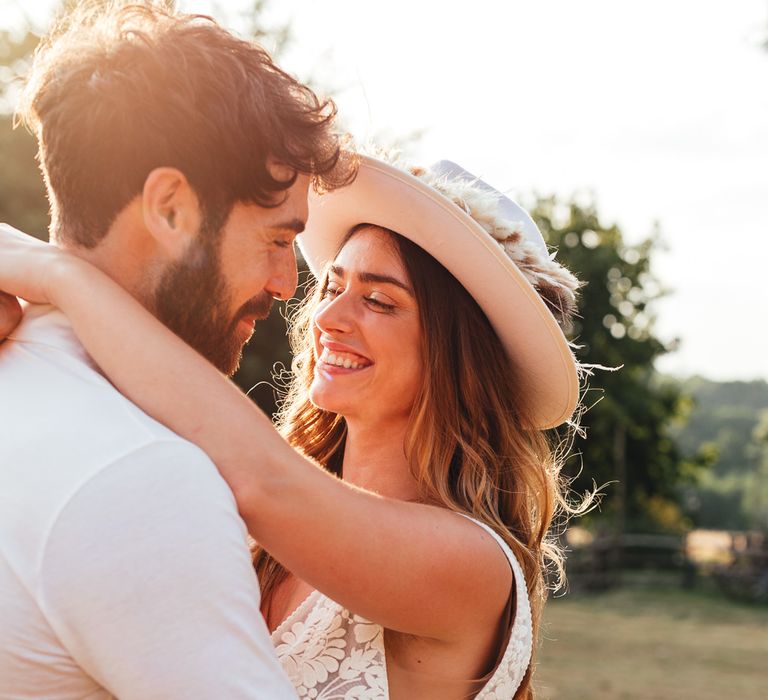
(148, 582)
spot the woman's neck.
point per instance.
(374, 459)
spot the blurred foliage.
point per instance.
(250, 20)
(730, 420)
(15, 51)
(267, 357)
(631, 409)
(22, 195)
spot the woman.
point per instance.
(426, 387)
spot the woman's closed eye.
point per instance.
(379, 303)
(332, 290)
(374, 300)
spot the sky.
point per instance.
(658, 110)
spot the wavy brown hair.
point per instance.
(116, 90)
(471, 444)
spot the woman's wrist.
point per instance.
(67, 274)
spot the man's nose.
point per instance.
(282, 283)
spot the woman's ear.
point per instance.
(10, 314)
(171, 210)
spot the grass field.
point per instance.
(665, 644)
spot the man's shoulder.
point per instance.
(74, 444)
(66, 422)
(51, 388)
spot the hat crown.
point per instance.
(508, 209)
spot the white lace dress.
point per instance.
(330, 653)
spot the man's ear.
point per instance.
(171, 210)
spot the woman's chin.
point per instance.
(328, 398)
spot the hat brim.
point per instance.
(386, 196)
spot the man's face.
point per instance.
(212, 297)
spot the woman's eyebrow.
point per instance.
(383, 279)
(368, 277)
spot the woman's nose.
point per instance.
(335, 314)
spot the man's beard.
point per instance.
(193, 300)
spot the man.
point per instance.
(177, 159)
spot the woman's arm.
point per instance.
(410, 567)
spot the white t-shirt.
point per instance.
(124, 569)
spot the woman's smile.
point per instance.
(336, 361)
(337, 356)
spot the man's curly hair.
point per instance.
(118, 90)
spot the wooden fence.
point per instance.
(739, 567)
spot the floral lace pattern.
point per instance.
(330, 653)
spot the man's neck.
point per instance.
(129, 266)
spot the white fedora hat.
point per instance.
(387, 196)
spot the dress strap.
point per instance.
(517, 655)
(521, 589)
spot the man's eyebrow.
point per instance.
(369, 277)
(295, 225)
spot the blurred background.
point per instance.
(637, 134)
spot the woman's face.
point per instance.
(367, 333)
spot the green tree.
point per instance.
(630, 409)
(757, 494)
(22, 195)
(725, 420)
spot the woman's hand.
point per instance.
(27, 267)
(10, 314)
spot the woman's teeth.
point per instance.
(340, 360)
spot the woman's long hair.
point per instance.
(470, 443)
